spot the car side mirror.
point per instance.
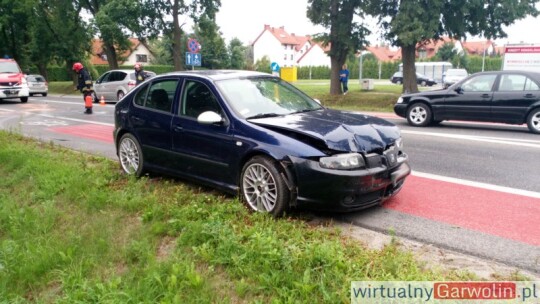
(459, 90)
(209, 118)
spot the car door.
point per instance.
(514, 95)
(100, 85)
(471, 100)
(151, 116)
(207, 150)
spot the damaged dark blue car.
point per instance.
(257, 136)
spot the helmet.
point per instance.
(138, 66)
(77, 66)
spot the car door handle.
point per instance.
(486, 95)
(528, 95)
(136, 118)
(178, 128)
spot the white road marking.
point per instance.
(61, 117)
(477, 184)
(495, 140)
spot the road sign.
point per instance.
(193, 45)
(274, 66)
(193, 59)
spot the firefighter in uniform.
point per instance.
(84, 85)
(140, 74)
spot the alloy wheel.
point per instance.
(259, 187)
(129, 156)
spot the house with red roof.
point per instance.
(138, 52)
(288, 50)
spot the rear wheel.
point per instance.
(533, 121)
(24, 99)
(398, 81)
(419, 115)
(262, 187)
(423, 83)
(44, 94)
(130, 155)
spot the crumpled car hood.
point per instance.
(340, 130)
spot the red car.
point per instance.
(12, 81)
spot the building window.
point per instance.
(285, 57)
(141, 58)
(422, 53)
(291, 56)
(285, 47)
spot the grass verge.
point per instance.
(74, 229)
(382, 99)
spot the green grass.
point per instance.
(74, 229)
(381, 99)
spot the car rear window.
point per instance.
(35, 78)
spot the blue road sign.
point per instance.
(274, 66)
(193, 59)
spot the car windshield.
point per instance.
(264, 97)
(9, 67)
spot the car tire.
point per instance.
(262, 187)
(24, 99)
(533, 121)
(423, 83)
(44, 94)
(419, 115)
(31, 94)
(130, 155)
(120, 95)
(398, 81)
(95, 97)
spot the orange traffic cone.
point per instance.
(102, 100)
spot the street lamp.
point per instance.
(360, 67)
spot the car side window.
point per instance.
(530, 85)
(512, 82)
(141, 96)
(197, 98)
(104, 78)
(161, 94)
(480, 83)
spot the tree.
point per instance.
(113, 19)
(153, 19)
(446, 52)
(412, 23)
(237, 53)
(345, 36)
(213, 50)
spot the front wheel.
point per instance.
(419, 115)
(120, 95)
(262, 187)
(24, 99)
(130, 155)
(533, 121)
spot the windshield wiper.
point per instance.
(303, 111)
(263, 115)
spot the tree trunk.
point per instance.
(408, 55)
(177, 39)
(110, 51)
(42, 68)
(335, 84)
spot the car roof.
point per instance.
(531, 74)
(219, 74)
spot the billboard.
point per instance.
(522, 57)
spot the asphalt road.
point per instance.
(474, 187)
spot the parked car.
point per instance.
(511, 97)
(114, 84)
(452, 76)
(37, 85)
(253, 134)
(422, 80)
(12, 81)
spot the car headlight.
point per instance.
(343, 161)
(400, 100)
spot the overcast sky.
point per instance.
(246, 19)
